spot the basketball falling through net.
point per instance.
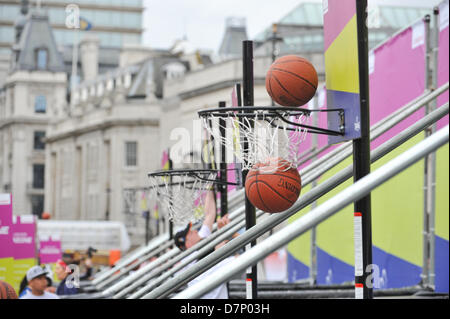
(255, 134)
(266, 141)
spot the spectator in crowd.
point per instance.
(88, 264)
(37, 282)
(24, 287)
(62, 271)
(189, 236)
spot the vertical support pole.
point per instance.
(147, 223)
(170, 221)
(434, 65)
(432, 46)
(361, 155)
(426, 229)
(274, 44)
(223, 167)
(314, 145)
(250, 212)
(238, 165)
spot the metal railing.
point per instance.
(311, 172)
(273, 220)
(319, 214)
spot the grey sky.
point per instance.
(203, 21)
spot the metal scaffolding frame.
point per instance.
(319, 214)
(147, 273)
(273, 220)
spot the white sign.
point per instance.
(443, 16)
(418, 34)
(325, 6)
(358, 245)
(371, 62)
(5, 199)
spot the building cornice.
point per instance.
(19, 120)
(41, 77)
(104, 125)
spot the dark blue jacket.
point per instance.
(64, 290)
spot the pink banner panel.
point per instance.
(396, 77)
(392, 83)
(49, 251)
(336, 15)
(443, 60)
(6, 247)
(23, 237)
(164, 159)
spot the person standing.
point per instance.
(62, 271)
(37, 281)
(188, 237)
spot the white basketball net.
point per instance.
(268, 136)
(182, 195)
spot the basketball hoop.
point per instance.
(270, 132)
(182, 192)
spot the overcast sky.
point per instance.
(203, 21)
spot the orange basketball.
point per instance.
(291, 81)
(274, 186)
(7, 291)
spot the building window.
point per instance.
(130, 153)
(39, 140)
(38, 176)
(41, 59)
(40, 104)
(37, 205)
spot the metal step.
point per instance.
(280, 290)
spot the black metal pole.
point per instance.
(147, 222)
(274, 43)
(250, 212)
(223, 168)
(361, 152)
(170, 221)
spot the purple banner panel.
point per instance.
(6, 248)
(23, 236)
(49, 250)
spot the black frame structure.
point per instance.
(281, 112)
(249, 111)
(361, 150)
(250, 211)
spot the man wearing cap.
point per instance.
(37, 281)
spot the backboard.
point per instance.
(342, 67)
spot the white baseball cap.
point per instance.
(34, 272)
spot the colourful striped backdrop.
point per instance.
(397, 76)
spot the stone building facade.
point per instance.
(33, 95)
